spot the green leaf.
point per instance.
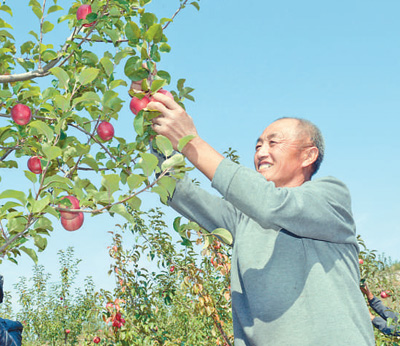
(138, 124)
(37, 11)
(40, 242)
(116, 83)
(42, 128)
(173, 161)
(27, 46)
(113, 34)
(34, 34)
(3, 24)
(47, 27)
(164, 75)
(164, 144)
(111, 182)
(51, 152)
(148, 163)
(56, 180)
(134, 202)
(38, 206)
(177, 224)
(5, 33)
(185, 140)
(137, 75)
(121, 210)
(5, 93)
(61, 102)
(134, 181)
(132, 32)
(195, 4)
(154, 33)
(7, 9)
(165, 48)
(162, 192)
(31, 176)
(168, 183)
(157, 85)
(186, 242)
(224, 235)
(88, 75)
(54, 8)
(61, 75)
(107, 65)
(48, 55)
(91, 162)
(89, 96)
(19, 195)
(148, 19)
(30, 252)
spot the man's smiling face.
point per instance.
(279, 155)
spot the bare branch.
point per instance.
(175, 14)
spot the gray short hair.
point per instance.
(316, 138)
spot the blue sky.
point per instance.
(334, 63)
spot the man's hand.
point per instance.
(173, 122)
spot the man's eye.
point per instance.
(271, 143)
(258, 147)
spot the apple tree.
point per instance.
(60, 103)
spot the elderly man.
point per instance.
(295, 275)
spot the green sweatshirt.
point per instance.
(294, 275)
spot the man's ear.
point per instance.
(310, 156)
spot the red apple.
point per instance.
(105, 131)
(67, 331)
(384, 294)
(82, 12)
(137, 104)
(21, 114)
(96, 340)
(361, 261)
(172, 269)
(75, 205)
(34, 165)
(74, 224)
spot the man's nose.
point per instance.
(262, 151)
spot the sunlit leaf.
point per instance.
(148, 163)
(61, 75)
(185, 140)
(30, 252)
(47, 27)
(224, 235)
(111, 182)
(134, 181)
(19, 195)
(51, 152)
(88, 75)
(164, 145)
(42, 128)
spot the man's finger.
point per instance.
(165, 100)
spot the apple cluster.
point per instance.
(71, 220)
(118, 321)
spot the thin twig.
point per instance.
(41, 34)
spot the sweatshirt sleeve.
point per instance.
(209, 211)
(383, 311)
(319, 209)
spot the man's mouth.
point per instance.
(264, 165)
